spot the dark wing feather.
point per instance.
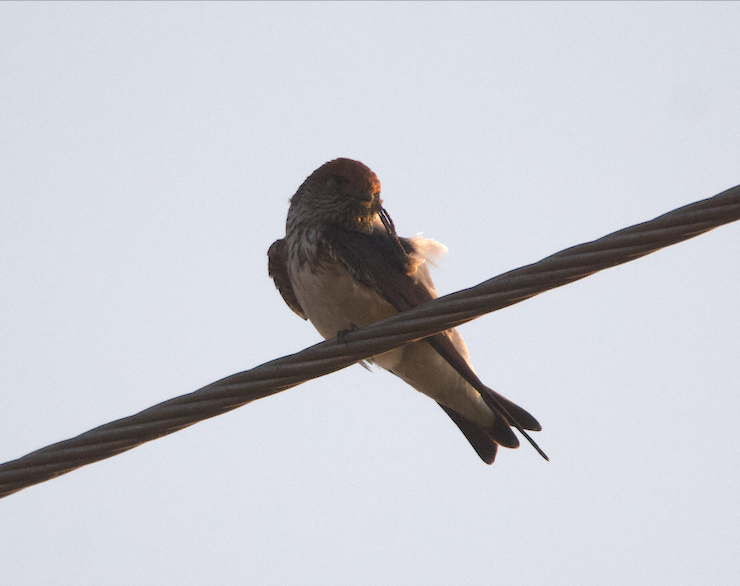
(380, 263)
(277, 268)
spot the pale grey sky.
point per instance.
(147, 153)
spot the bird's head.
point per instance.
(341, 192)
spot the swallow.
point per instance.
(342, 266)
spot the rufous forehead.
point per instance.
(355, 172)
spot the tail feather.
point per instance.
(484, 446)
(485, 441)
(521, 416)
(501, 432)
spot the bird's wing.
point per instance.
(380, 260)
(379, 263)
(277, 268)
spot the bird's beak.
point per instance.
(387, 222)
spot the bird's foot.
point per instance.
(341, 334)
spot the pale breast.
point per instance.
(334, 301)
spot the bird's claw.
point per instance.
(341, 334)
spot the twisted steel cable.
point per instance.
(449, 311)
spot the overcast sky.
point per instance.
(147, 154)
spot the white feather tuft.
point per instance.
(427, 250)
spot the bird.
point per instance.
(342, 266)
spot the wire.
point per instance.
(449, 311)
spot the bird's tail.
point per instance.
(485, 441)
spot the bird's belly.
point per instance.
(334, 301)
(424, 369)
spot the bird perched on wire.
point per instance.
(342, 266)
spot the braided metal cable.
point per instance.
(451, 310)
